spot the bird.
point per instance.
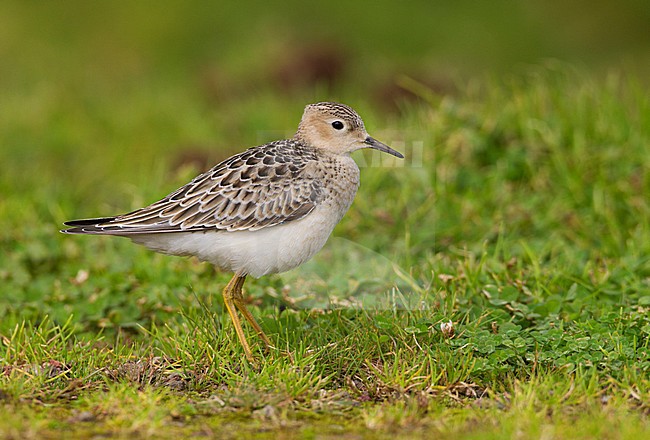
(265, 210)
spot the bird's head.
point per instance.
(337, 128)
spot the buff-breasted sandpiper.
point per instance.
(265, 210)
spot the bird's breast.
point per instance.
(340, 179)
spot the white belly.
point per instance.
(257, 253)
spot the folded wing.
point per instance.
(261, 187)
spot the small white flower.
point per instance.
(447, 329)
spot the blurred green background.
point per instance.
(107, 106)
(260, 44)
(70, 57)
(237, 55)
(234, 51)
(192, 82)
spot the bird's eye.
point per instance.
(338, 125)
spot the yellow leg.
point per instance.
(241, 306)
(228, 299)
(234, 300)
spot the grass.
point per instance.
(495, 284)
(523, 224)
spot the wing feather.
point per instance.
(261, 187)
